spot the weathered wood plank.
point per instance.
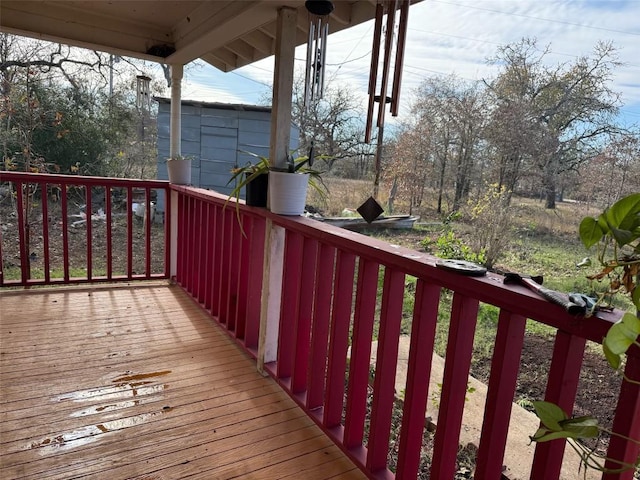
(140, 382)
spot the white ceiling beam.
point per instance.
(260, 41)
(231, 22)
(242, 49)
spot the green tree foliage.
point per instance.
(56, 115)
(535, 128)
(566, 110)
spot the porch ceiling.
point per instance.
(226, 34)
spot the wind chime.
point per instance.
(143, 101)
(316, 50)
(379, 96)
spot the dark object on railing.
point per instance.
(370, 209)
(534, 284)
(462, 267)
(256, 190)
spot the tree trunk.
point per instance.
(550, 195)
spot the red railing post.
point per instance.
(320, 326)
(626, 422)
(254, 277)
(562, 386)
(45, 230)
(304, 314)
(22, 233)
(365, 309)
(291, 278)
(423, 331)
(339, 338)
(89, 231)
(385, 374)
(109, 230)
(502, 386)
(464, 313)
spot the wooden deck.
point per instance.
(138, 382)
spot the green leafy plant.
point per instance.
(241, 176)
(616, 235)
(448, 245)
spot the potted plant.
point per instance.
(287, 192)
(179, 169)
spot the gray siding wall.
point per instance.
(215, 139)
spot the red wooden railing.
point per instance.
(329, 301)
(42, 206)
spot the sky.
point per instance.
(456, 37)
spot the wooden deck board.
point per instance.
(138, 382)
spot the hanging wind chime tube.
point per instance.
(389, 8)
(316, 50)
(143, 93)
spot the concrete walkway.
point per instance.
(519, 453)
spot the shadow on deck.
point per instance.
(138, 382)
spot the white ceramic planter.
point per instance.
(287, 192)
(179, 171)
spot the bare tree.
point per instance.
(566, 110)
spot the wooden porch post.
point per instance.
(280, 138)
(175, 139)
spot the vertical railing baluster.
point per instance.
(562, 386)
(109, 232)
(502, 387)
(206, 260)
(254, 287)
(235, 235)
(225, 265)
(22, 233)
(464, 313)
(339, 338)
(217, 262)
(626, 421)
(423, 331)
(65, 230)
(198, 250)
(45, 230)
(320, 326)
(89, 230)
(243, 277)
(385, 374)
(363, 317)
(289, 305)
(181, 253)
(148, 221)
(168, 208)
(129, 232)
(304, 314)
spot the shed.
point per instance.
(215, 135)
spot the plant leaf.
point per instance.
(623, 217)
(590, 232)
(614, 359)
(622, 334)
(581, 427)
(550, 415)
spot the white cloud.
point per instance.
(457, 36)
